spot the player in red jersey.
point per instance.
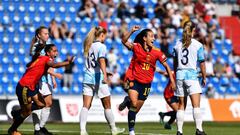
(145, 56)
(26, 89)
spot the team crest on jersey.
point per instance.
(148, 57)
(72, 109)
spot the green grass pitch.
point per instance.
(211, 128)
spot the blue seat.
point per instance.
(232, 90)
(221, 90)
(218, 44)
(224, 81)
(1, 90)
(77, 88)
(10, 89)
(117, 90)
(215, 82)
(228, 44)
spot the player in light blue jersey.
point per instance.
(187, 53)
(46, 84)
(95, 80)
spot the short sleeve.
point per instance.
(162, 57)
(135, 47)
(102, 52)
(200, 54)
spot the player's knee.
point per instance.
(134, 104)
(26, 113)
(88, 106)
(49, 104)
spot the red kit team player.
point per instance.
(171, 100)
(145, 56)
(26, 88)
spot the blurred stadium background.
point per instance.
(218, 29)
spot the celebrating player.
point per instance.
(26, 87)
(145, 56)
(46, 84)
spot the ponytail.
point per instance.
(36, 39)
(91, 36)
(187, 33)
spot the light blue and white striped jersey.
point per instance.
(42, 52)
(92, 71)
(187, 59)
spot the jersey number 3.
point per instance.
(91, 61)
(184, 59)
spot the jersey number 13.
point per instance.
(91, 61)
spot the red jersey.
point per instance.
(145, 63)
(34, 73)
(168, 92)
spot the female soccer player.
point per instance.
(26, 87)
(95, 78)
(145, 56)
(47, 83)
(171, 100)
(187, 53)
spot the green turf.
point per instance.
(211, 128)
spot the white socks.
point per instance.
(36, 119)
(110, 118)
(44, 116)
(83, 118)
(197, 118)
(40, 117)
(131, 132)
(180, 120)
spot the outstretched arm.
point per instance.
(60, 64)
(127, 36)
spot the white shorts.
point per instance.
(187, 87)
(90, 90)
(45, 88)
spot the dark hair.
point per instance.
(139, 37)
(39, 29)
(48, 48)
(37, 53)
(39, 47)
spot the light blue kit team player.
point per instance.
(187, 53)
(95, 78)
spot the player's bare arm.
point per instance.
(103, 68)
(126, 36)
(60, 64)
(203, 73)
(173, 84)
